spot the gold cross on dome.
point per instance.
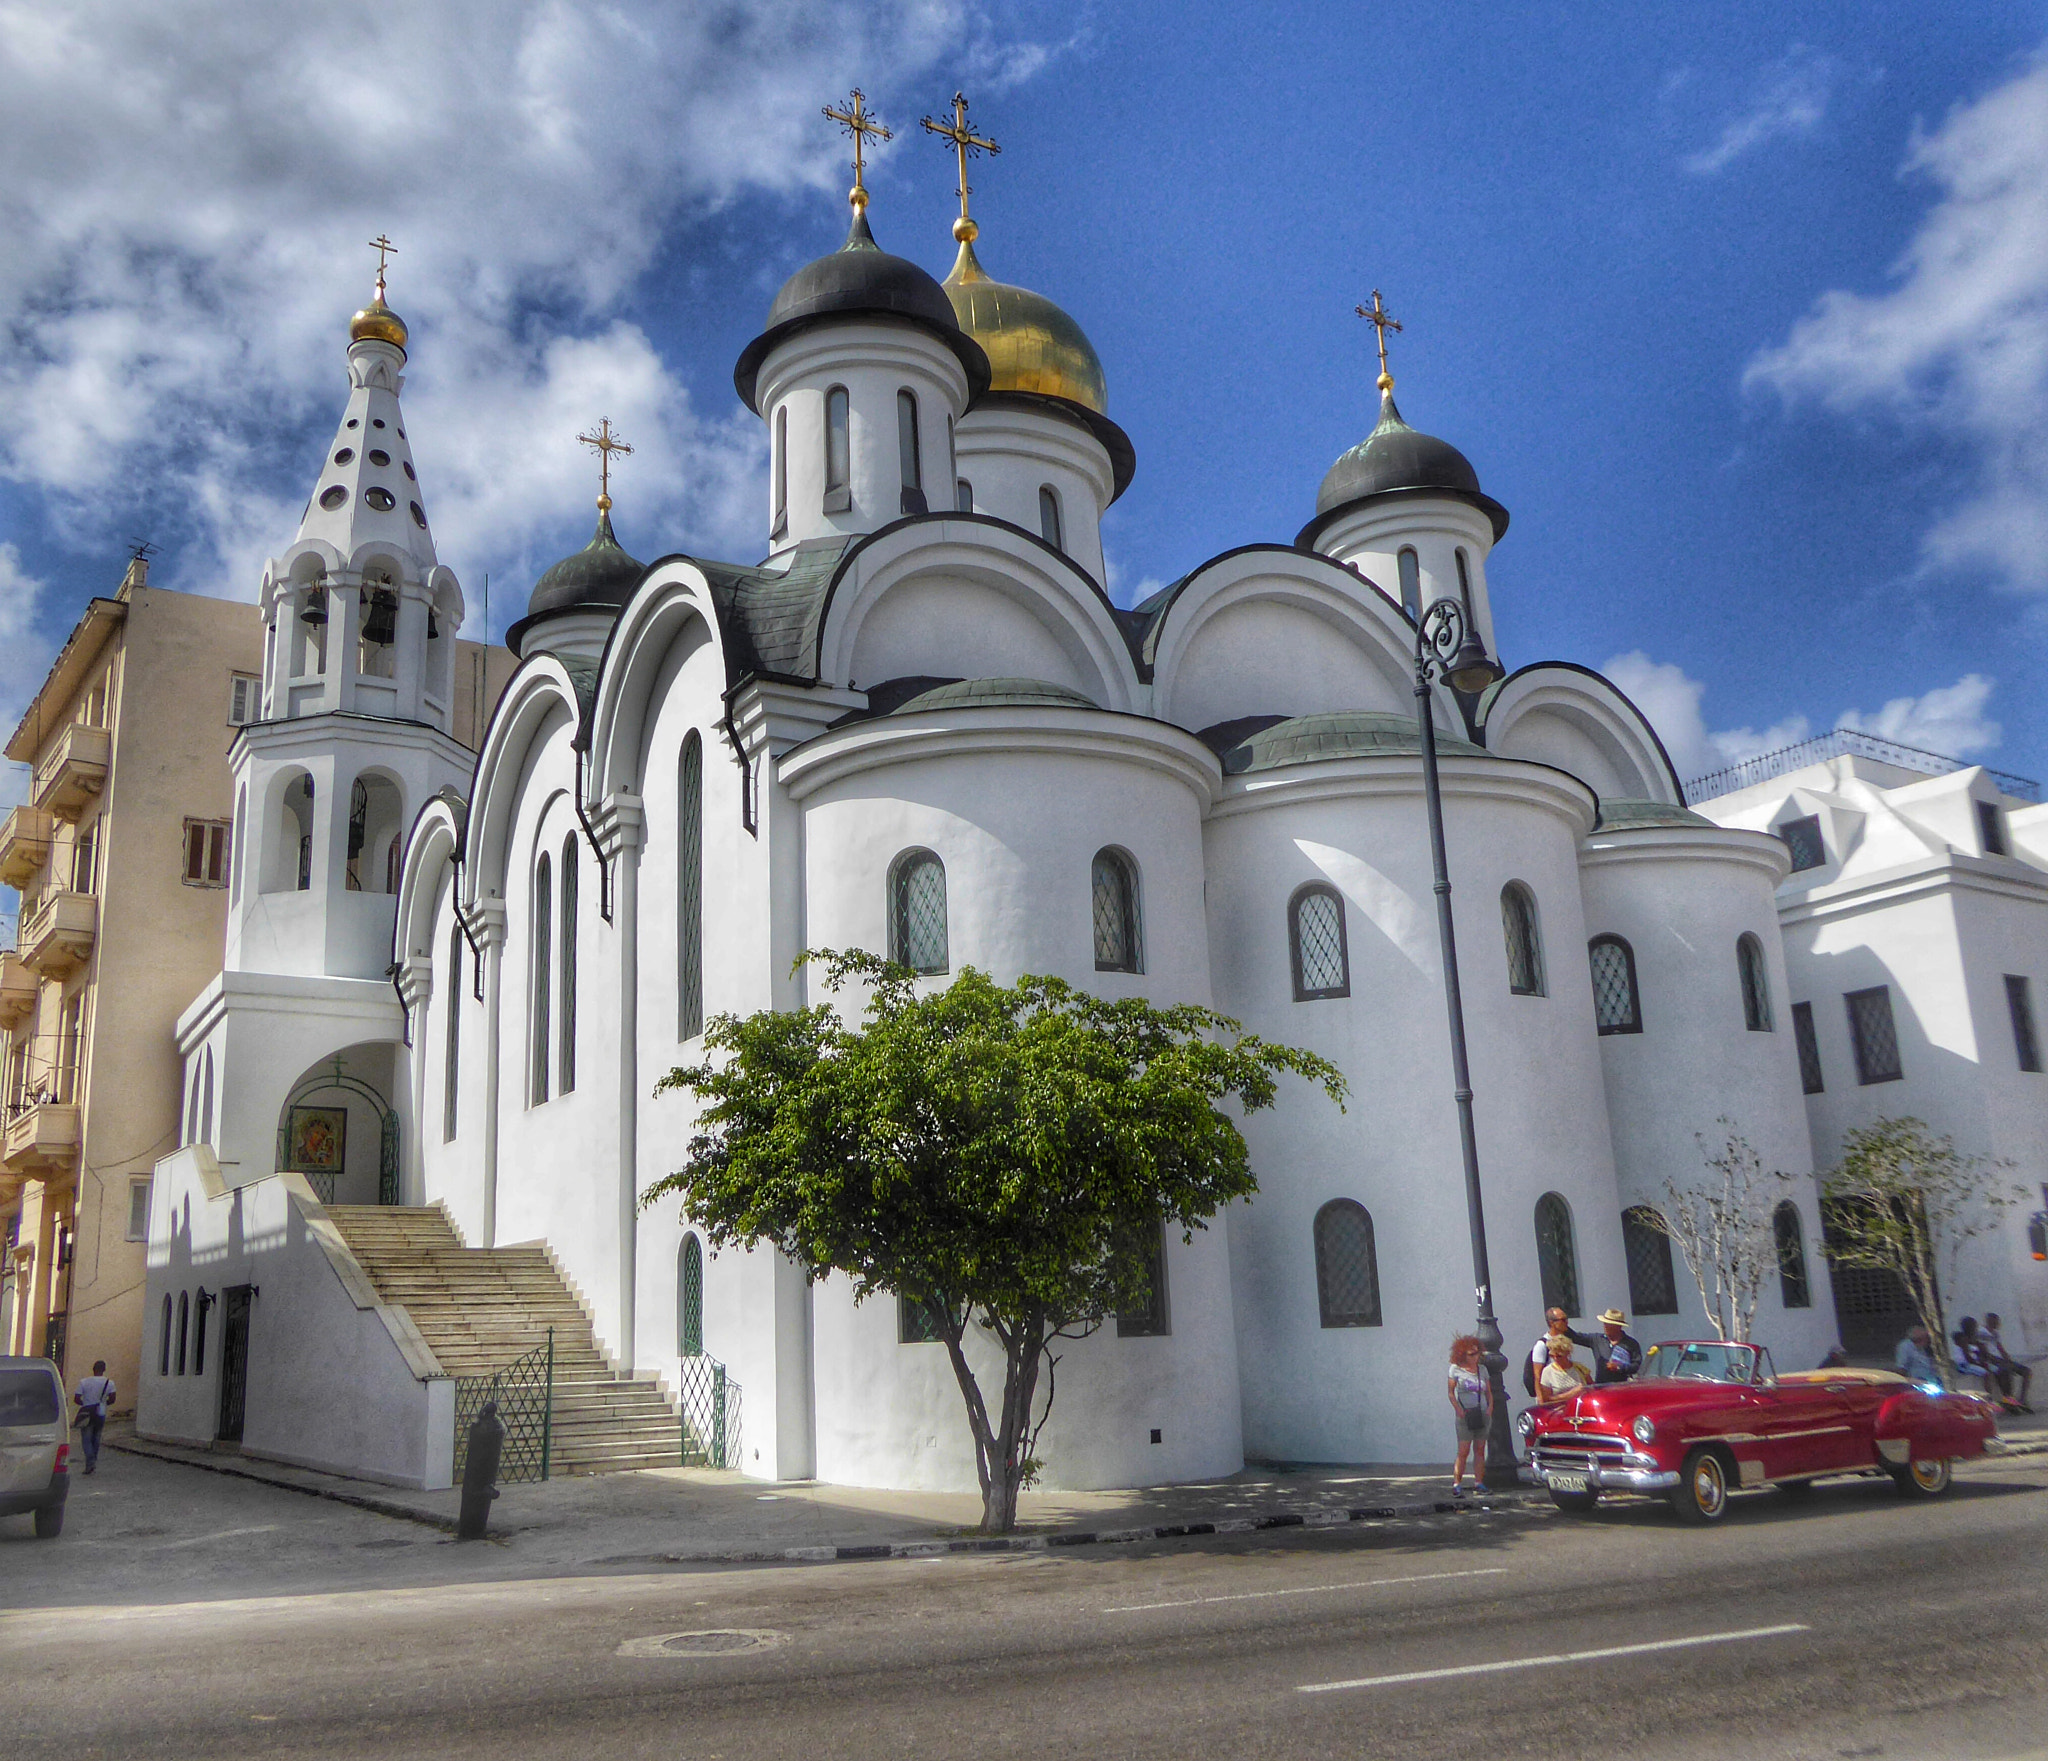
(859, 122)
(604, 443)
(384, 248)
(966, 143)
(1380, 320)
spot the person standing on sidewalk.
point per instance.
(1472, 1409)
(1619, 1354)
(94, 1398)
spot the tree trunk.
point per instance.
(999, 1447)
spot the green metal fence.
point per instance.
(711, 1414)
(524, 1390)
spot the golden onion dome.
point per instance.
(376, 322)
(1032, 346)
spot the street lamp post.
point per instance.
(1447, 647)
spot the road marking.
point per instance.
(1429, 1577)
(1437, 1675)
(201, 1540)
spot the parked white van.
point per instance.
(35, 1443)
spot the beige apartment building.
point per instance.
(120, 853)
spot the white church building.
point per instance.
(919, 725)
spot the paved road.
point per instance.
(1853, 1624)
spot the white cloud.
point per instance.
(1949, 719)
(25, 654)
(1958, 347)
(1790, 100)
(188, 195)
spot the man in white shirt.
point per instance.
(94, 1399)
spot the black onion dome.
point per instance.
(860, 279)
(1395, 459)
(600, 576)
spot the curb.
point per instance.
(334, 1494)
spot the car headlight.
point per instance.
(1932, 1388)
(1526, 1423)
(1645, 1431)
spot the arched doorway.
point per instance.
(328, 1122)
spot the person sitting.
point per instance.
(1971, 1358)
(1836, 1359)
(1620, 1354)
(1563, 1376)
(2015, 1379)
(1915, 1357)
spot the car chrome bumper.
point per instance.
(1637, 1474)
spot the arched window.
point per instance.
(163, 1362)
(1756, 990)
(235, 843)
(184, 1326)
(451, 1068)
(1525, 945)
(199, 1335)
(569, 940)
(1652, 1287)
(1347, 1265)
(1411, 581)
(394, 854)
(1616, 1007)
(908, 453)
(540, 1050)
(690, 889)
(1557, 1256)
(917, 912)
(690, 1298)
(1317, 949)
(838, 453)
(781, 524)
(205, 1089)
(1049, 527)
(1114, 882)
(963, 496)
(1791, 1240)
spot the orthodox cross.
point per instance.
(1379, 319)
(604, 443)
(384, 248)
(966, 143)
(859, 122)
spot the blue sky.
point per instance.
(1742, 313)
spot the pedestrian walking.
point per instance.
(1557, 1325)
(1619, 1354)
(2015, 1379)
(1471, 1408)
(94, 1398)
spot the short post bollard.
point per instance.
(480, 1473)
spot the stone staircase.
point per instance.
(479, 1308)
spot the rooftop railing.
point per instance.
(1843, 743)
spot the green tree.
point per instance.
(1904, 1201)
(1004, 1157)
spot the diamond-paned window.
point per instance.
(1810, 1081)
(1322, 965)
(1875, 1037)
(1525, 949)
(1802, 838)
(1615, 1005)
(1115, 887)
(690, 1298)
(1652, 1286)
(1791, 1243)
(1756, 989)
(2026, 1046)
(1153, 1320)
(1347, 1265)
(1557, 1257)
(917, 912)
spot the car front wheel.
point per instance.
(1701, 1495)
(49, 1522)
(1924, 1479)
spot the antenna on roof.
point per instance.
(140, 550)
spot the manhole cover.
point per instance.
(722, 1642)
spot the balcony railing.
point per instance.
(18, 987)
(25, 838)
(1844, 743)
(74, 772)
(58, 935)
(41, 1137)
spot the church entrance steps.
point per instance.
(479, 1309)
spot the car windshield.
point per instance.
(1701, 1363)
(28, 1397)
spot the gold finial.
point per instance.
(384, 248)
(966, 143)
(1381, 322)
(859, 122)
(604, 443)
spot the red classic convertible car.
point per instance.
(1707, 1417)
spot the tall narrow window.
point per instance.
(963, 496)
(1791, 1242)
(2021, 1007)
(1114, 883)
(1756, 987)
(1809, 1049)
(138, 1209)
(1152, 1319)
(1465, 588)
(451, 1062)
(908, 453)
(838, 453)
(917, 912)
(1805, 843)
(781, 524)
(690, 889)
(1616, 1006)
(1317, 948)
(1991, 824)
(1557, 1256)
(690, 1298)
(184, 1326)
(1049, 527)
(1411, 582)
(1874, 1035)
(85, 859)
(541, 1051)
(1525, 945)
(569, 941)
(163, 1353)
(235, 839)
(199, 1335)
(1652, 1287)
(1347, 1265)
